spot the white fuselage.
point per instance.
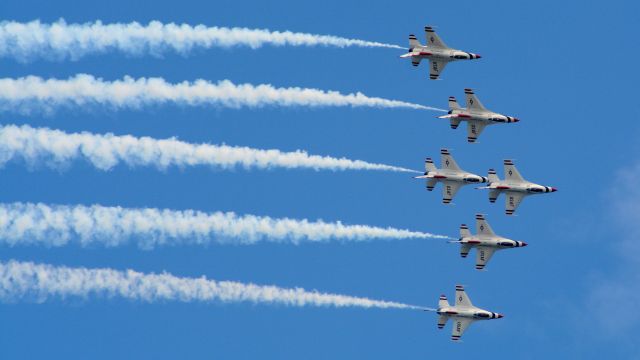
(491, 241)
(527, 188)
(435, 53)
(487, 117)
(468, 312)
(453, 175)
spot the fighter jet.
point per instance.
(462, 314)
(514, 186)
(485, 241)
(476, 116)
(451, 176)
(437, 52)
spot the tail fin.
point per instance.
(464, 250)
(493, 176)
(493, 195)
(413, 42)
(464, 231)
(428, 165)
(442, 321)
(453, 103)
(443, 301)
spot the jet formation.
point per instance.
(514, 186)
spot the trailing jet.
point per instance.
(462, 314)
(485, 241)
(514, 186)
(450, 175)
(437, 52)
(476, 116)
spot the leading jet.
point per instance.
(450, 175)
(437, 52)
(514, 186)
(462, 314)
(476, 116)
(486, 242)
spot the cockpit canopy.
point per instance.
(482, 315)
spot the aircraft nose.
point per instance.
(553, 189)
(515, 119)
(522, 243)
(499, 316)
(478, 56)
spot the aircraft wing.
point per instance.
(459, 326)
(513, 199)
(415, 60)
(482, 226)
(473, 103)
(483, 254)
(447, 161)
(436, 67)
(461, 297)
(433, 39)
(474, 129)
(449, 190)
(511, 174)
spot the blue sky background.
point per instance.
(568, 70)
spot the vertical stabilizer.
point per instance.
(413, 42)
(443, 303)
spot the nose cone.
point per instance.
(499, 316)
(553, 189)
(522, 243)
(515, 119)
(477, 56)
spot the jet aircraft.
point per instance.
(476, 116)
(485, 241)
(514, 186)
(437, 52)
(450, 175)
(463, 313)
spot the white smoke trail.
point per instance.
(40, 282)
(30, 93)
(56, 149)
(59, 40)
(60, 225)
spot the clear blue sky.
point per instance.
(566, 69)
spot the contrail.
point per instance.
(40, 282)
(59, 40)
(61, 225)
(30, 93)
(56, 149)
